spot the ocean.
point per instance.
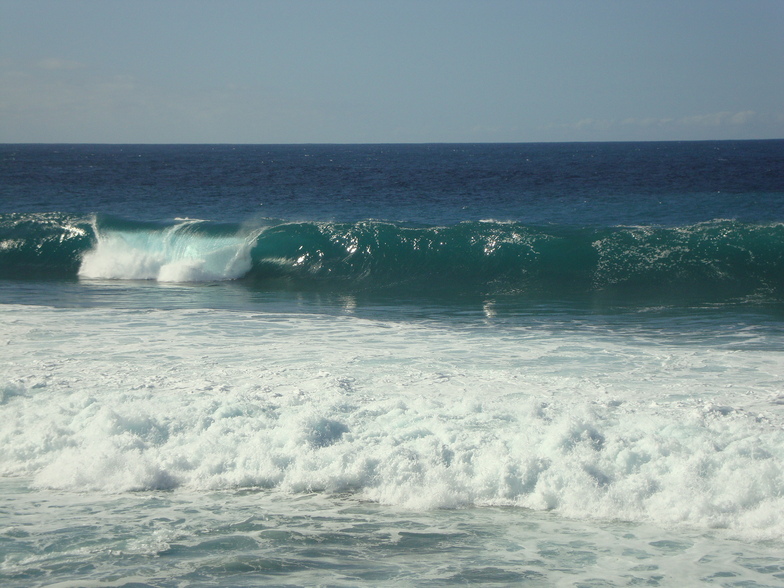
(386, 365)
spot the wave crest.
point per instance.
(179, 253)
(718, 259)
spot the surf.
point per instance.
(182, 252)
(589, 422)
(716, 260)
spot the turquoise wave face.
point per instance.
(718, 259)
(43, 245)
(721, 258)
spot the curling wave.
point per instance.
(722, 258)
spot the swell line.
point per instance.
(721, 258)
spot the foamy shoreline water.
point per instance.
(243, 538)
(588, 424)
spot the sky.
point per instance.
(397, 71)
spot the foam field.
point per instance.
(586, 421)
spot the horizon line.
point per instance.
(327, 143)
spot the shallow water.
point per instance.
(244, 538)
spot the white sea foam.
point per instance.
(589, 424)
(175, 254)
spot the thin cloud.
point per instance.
(726, 124)
(741, 118)
(594, 124)
(37, 105)
(716, 119)
(54, 63)
(713, 119)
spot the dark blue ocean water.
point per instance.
(576, 184)
(343, 365)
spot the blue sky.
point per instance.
(364, 71)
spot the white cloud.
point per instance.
(61, 100)
(46, 105)
(713, 119)
(723, 123)
(647, 122)
(741, 118)
(54, 63)
(594, 124)
(705, 120)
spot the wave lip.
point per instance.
(179, 253)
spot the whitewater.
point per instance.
(344, 394)
(585, 423)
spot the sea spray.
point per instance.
(181, 252)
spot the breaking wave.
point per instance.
(721, 258)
